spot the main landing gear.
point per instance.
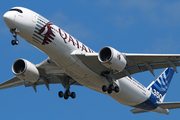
(14, 32)
(111, 79)
(67, 94)
(66, 84)
(110, 88)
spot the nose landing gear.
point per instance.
(14, 32)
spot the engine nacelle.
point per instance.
(25, 70)
(112, 58)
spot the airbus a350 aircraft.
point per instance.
(71, 62)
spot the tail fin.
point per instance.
(161, 84)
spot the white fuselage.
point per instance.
(60, 46)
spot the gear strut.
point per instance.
(14, 32)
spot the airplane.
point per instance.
(70, 62)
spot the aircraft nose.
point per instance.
(8, 19)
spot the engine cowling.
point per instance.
(25, 70)
(112, 58)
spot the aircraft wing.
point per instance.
(11, 83)
(135, 63)
(49, 71)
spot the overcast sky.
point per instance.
(130, 26)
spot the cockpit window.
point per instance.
(18, 10)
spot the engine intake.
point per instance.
(25, 70)
(112, 58)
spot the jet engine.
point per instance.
(25, 70)
(112, 58)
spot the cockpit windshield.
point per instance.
(15, 9)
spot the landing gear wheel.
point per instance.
(109, 91)
(116, 89)
(14, 42)
(104, 88)
(61, 94)
(66, 97)
(73, 95)
(68, 93)
(111, 87)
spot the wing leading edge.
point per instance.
(135, 63)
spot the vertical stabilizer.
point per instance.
(161, 84)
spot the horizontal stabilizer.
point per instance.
(137, 110)
(169, 105)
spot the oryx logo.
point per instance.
(47, 32)
(119, 57)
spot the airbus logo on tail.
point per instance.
(156, 93)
